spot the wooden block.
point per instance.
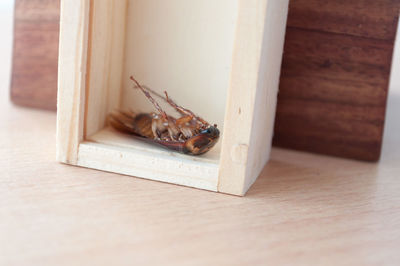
(221, 59)
(35, 53)
(335, 76)
(374, 19)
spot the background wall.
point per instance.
(195, 73)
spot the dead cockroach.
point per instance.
(189, 134)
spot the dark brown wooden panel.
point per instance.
(365, 18)
(335, 75)
(35, 53)
(333, 67)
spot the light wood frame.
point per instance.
(89, 87)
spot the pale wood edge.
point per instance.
(242, 156)
(140, 163)
(267, 92)
(74, 20)
(105, 62)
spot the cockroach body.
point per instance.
(189, 134)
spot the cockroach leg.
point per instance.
(152, 91)
(151, 99)
(154, 129)
(183, 120)
(161, 97)
(186, 132)
(179, 109)
(173, 130)
(184, 110)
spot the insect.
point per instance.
(189, 134)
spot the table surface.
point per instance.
(304, 209)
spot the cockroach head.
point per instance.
(211, 131)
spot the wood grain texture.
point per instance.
(74, 29)
(35, 53)
(376, 19)
(335, 77)
(249, 116)
(105, 62)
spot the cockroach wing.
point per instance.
(140, 126)
(131, 123)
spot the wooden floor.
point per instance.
(304, 209)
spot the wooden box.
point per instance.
(35, 53)
(335, 77)
(221, 59)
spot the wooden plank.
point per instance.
(105, 62)
(335, 77)
(347, 131)
(105, 155)
(72, 78)
(374, 19)
(35, 53)
(251, 101)
(335, 68)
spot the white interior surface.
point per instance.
(184, 47)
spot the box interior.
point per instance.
(180, 46)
